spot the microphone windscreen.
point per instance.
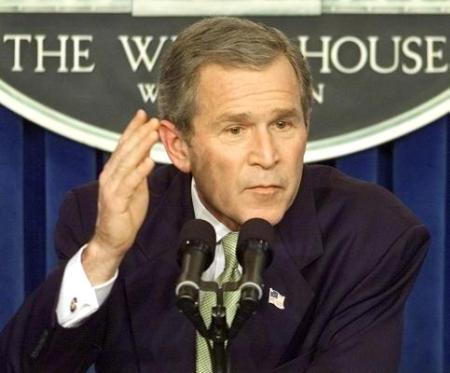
(258, 229)
(198, 230)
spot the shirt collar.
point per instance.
(201, 212)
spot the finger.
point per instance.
(138, 120)
(115, 197)
(131, 152)
(135, 152)
(138, 145)
(135, 181)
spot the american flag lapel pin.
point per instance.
(276, 299)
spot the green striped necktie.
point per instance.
(230, 273)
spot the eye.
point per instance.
(235, 130)
(281, 124)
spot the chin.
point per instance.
(271, 216)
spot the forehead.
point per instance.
(223, 89)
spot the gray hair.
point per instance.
(225, 41)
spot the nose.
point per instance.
(263, 149)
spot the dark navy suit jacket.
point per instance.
(345, 257)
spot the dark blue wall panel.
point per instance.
(68, 164)
(421, 181)
(12, 287)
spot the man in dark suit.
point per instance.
(235, 101)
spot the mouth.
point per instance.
(264, 189)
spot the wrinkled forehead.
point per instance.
(209, 74)
(230, 92)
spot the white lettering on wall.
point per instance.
(410, 55)
(363, 54)
(42, 54)
(80, 55)
(141, 45)
(319, 93)
(323, 53)
(149, 92)
(17, 39)
(373, 55)
(435, 54)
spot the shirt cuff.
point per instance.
(78, 299)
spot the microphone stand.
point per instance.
(218, 333)
(254, 254)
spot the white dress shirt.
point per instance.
(78, 299)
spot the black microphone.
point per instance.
(254, 255)
(196, 253)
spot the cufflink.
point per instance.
(73, 304)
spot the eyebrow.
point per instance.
(287, 113)
(246, 117)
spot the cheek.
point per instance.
(225, 183)
(222, 166)
(224, 187)
(214, 174)
(299, 147)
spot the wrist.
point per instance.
(99, 263)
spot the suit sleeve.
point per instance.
(364, 333)
(33, 341)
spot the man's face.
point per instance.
(249, 138)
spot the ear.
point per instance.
(176, 146)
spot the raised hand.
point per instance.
(123, 198)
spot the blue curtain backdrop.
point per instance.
(37, 167)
